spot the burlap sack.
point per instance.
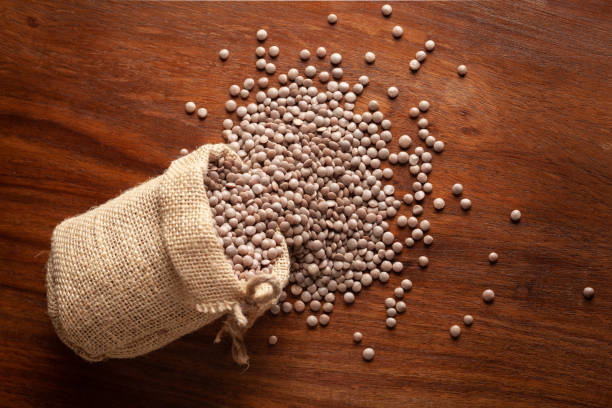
(145, 268)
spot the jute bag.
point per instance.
(146, 268)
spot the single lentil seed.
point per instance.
(386, 10)
(439, 204)
(272, 340)
(324, 319)
(588, 292)
(299, 306)
(357, 337)
(273, 51)
(391, 322)
(428, 239)
(336, 59)
(493, 257)
(423, 261)
(420, 56)
(312, 321)
(430, 45)
(455, 331)
(260, 51)
(230, 106)
(304, 55)
(488, 295)
(262, 35)
(457, 189)
(321, 52)
(190, 107)
(414, 65)
(462, 70)
(423, 106)
(392, 92)
(399, 293)
(414, 112)
(466, 204)
(370, 57)
(332, 19)
(400, 306)
(224, 54)
(397, 31)
(202, 113)
(406, 284)
(349, 298)
(438, 146)
(389, 302)
(402, 221)
(368, 354)
(515, 215)
(468, 320)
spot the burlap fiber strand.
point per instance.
(146, 268)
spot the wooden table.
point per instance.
(91, 103)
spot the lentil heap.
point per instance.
(313, 172)
(312, 176)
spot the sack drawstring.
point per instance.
(244, 315)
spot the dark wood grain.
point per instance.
(91, 103)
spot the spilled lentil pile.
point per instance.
(313, 174)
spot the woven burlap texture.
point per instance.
(146, 268)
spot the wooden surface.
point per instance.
(91, 103)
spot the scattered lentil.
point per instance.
(462, 70)
(386, 10)
(457, 189)
(455, 331)
(190, 107)
(488, 295)
(439, 204)
(273, 51)
(515, 215)
(466, 204)
(468, 320)
(336, 59)
(391, 322)
(397, 31)
(423, 261)
(430, 45)
(588, 292)
(272, 340)
(368, 354)
(312, 321)
(202, 113)
(224, 54)
(392, 92)
(262, 35)
(332, 19)
(420, 56)
(349, 298)
(493, 257)
(370, 57)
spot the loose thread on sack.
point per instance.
(244, 316)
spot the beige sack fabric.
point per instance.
(146, 268)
